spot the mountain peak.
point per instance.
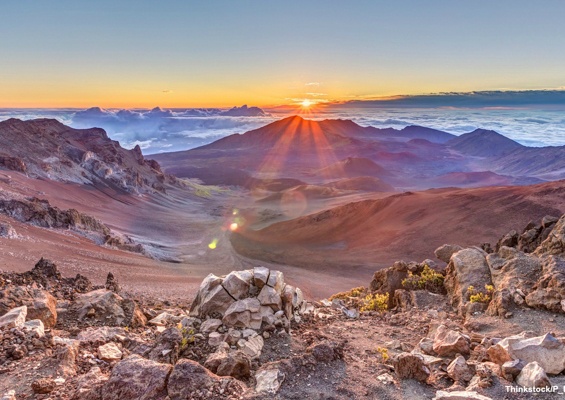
(484, 143)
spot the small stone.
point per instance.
(43, 386)
(411, 366)
(15, 318)
(215, 339)
(269, 380)
(35, 326)
(109, 352)
(210, 325)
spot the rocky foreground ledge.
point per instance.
(477, 324)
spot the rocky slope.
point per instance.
(47, 149)
(480, 323)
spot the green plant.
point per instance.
(187, 338)
(375, 302)
(476, 296)
(428, 279)
(383, 352)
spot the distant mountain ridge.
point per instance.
(47, 149)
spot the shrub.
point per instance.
(383, 352)
(476, 296)
(375, 302)
(428, 279)
(355, 292)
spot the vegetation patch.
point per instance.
(428, 279)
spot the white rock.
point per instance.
(9, 395)
(459, 395)
(260, 276)
(269, 380)
(161, 319)
(211, 298)
(15, 318)
(36, 326)
(237, 283)
(252, 346)
(533, 375)
(215, 339)
(109, 352)
(269, 297)
(276, 280)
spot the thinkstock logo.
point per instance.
(543, 389)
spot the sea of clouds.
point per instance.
(158, 130)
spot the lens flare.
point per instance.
(234, 226)
(213, 244)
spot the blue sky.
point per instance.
(222, 53)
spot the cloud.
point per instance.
(479, 99)
(314, 94)
(312, 84)
(167, 91)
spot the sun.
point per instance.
(306, 103)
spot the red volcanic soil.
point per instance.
(357, 238)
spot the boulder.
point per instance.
(40, 303)
(533, 375)
(243, 314)
(269, 297)
(136, 378)
(546, 350)
(191, 380)
(549, 290)
(211, 298)
(229, 363)
(251, 347)
(449, 343)
(108, 308)
(555, 242)
(14, 318)
(109, 352)
(388, 280)
(112, 283)
(276, 281)
(43, 385)
(260, 276)
(467, 267)
(237, 283)
(459, 371)
(269, 379)
(7, 231)
(411, 366)
(445, 251)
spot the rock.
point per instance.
(459, 395)
(40, 303)
(237, 283)
(426, 345)
(100, 335)
(210, 325)
(546, 350)
(161, 319)
(555, 242)
(411, 366)
(166, 348)
(389, 280)
(108, 308)
(511, 369)
(136, 378)
(269, 297)
(215, 339)
(548, 221)
(7, 231)
(109, 352)
(252, 346)
(236, 364)
(445, 251)
(112, 283)
(15, 318)
(549, 290)
(467, 267)
(35, 326)
(239, 313)
(260, 276)
(89, 385)
(449, 343)
(67, 355)
(352, 313)
(82, 284)
(9, 395)
(47, 269)
(324, 352)
(189, 377)
(276, 281)
(43, 386)
(269, 379)
(459, 371)
(211, 298)
(533, 375)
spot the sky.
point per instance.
(177, 53)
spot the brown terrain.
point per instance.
(326, 203)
